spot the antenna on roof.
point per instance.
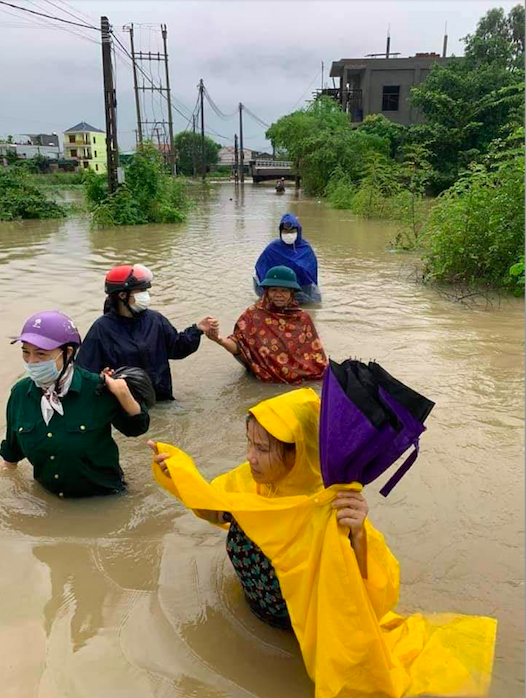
(387, 48)
(444, 46)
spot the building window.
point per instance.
(72, 139)
(94, 139)
(85, 164)
(95, 153)
(390, 97)
(73, 153)
(96, 167)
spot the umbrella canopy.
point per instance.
(368, 419)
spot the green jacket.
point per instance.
(75, 454)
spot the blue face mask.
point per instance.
(44, 373)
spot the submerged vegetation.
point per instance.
(148, 194)
(21, 198)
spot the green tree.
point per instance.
(475, 233)
(409, 205)
(380, 125)
(374, 196)
(184, 143)
(467, 102)
(319, 139)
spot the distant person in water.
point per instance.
(293, 251)
(280, 184)
(275, 339)
(130, 334)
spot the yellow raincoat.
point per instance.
(352, 643)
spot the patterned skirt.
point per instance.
(258, 578)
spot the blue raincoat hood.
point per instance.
(299, 257)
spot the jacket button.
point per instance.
(49, 434)
(51, 457)
(82, 427)
(20, 428)
(61, 494)
(56, 476)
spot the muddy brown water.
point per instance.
(132, 596)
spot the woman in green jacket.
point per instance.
(59, 418)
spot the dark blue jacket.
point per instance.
(147, 340)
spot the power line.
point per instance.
(45, 24)
(308, 88)
(256, 118)
(41, 14)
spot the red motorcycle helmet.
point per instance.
(128, 277)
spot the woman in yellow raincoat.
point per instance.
(307, 557)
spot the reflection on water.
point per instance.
(133, 593)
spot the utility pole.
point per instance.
(236, 160)
(444, 45)
(322, 66)
(136, 88)
(194, 136)
(170, 122)
(110, 104)
(241, 151)
(203, 151)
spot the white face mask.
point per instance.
(141, 301)
(289, 238)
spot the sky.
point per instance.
(266, 54)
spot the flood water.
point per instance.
(132, 596)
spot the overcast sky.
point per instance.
(266, 54)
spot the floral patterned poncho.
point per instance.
(279, 346)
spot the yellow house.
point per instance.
(87, 145)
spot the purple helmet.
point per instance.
(48, 330)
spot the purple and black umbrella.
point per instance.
(368, 420)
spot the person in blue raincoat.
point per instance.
(130, 334)
(293, 251)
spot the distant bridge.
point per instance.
(262, 170)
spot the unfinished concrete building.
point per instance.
(381, 85)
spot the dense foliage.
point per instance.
(475, 232)
(319, 139)
(467, 148)
(20, 198)
(148, 195)
(468, 101)
(186, 143)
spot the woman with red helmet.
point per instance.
(59, 418)
(130, 334)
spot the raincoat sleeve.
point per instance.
(383, 573)
(180, 344)
(10, 449)
(92, 356)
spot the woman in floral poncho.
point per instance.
(275, 339)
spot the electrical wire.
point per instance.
(30, 23)
(256, 118)
(308, 88)
(41, 14)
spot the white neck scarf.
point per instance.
(51, 396)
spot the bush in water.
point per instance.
(320, 138)
(340, 189)
(20, 198)
(475, 232)
(377, 188)
(149, 195)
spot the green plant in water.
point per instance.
(475, 233)
(21, 199)
(379, 185)
(409, 205)
(517, 277)
(149, 195)
(340, 189)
